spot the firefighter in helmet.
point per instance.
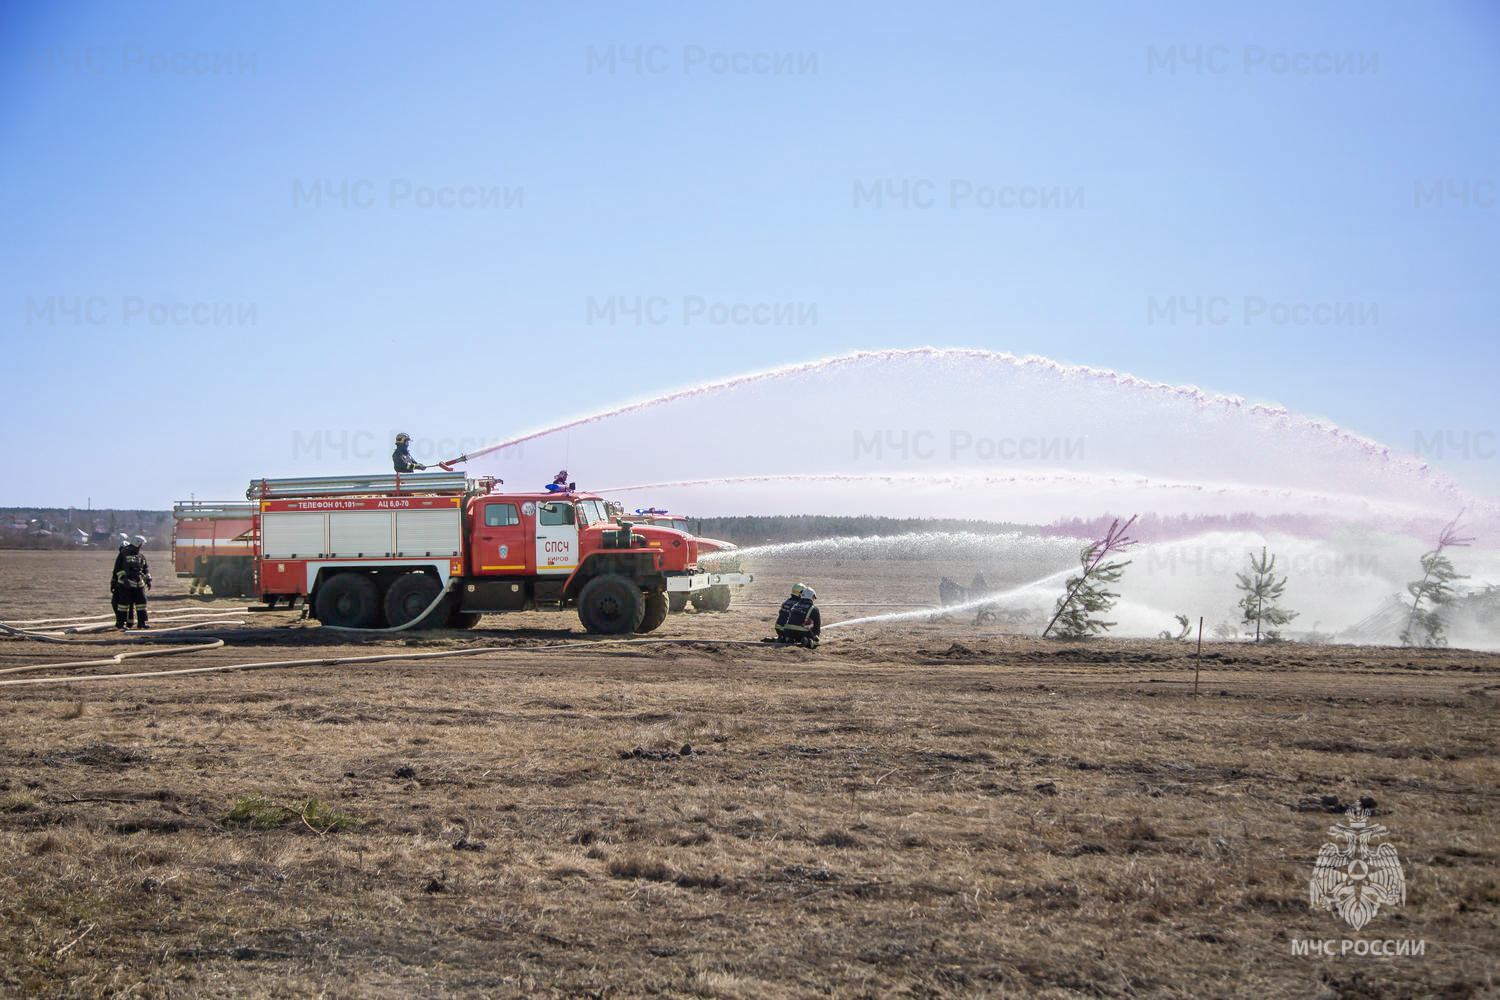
(131, 580)
(799, 620)
(401, 457)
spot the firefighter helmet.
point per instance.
(138, 541)
(403, 438)
(809, 593)
(798, 589)
(124, 539)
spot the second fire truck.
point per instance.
(213, 545)
(714, 554)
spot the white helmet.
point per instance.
(138, 541)
(124, 539)
(798, 589)
(809, 593)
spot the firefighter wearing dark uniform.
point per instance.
(401, 457)
(131, 580)
(114, 588)
(799, 620)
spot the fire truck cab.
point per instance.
(719, 557)
(433, 549)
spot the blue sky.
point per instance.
(163, 155)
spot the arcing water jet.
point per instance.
(968, 433)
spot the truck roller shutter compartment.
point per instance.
(356, 533)
(289, 536)
(420, 533)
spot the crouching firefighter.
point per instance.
(131, 580)
(799, 620)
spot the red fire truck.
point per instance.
(717, 556)
(213, 545)
(372, 552)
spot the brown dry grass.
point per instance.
(891, 815)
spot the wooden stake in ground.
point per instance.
(1198, 660)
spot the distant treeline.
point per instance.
(57, 527)
(60, 527)
(1151, 527)
(757, 530)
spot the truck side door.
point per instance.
(556, 537)
(499, 546)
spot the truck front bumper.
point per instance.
(691, 582)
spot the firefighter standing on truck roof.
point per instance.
(130, 581)
(799, 620)
(401, 457)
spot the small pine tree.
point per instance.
(1262, 591)
(1425, 626)
(1086, 595)
(1184, 626)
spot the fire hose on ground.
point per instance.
(203, 642)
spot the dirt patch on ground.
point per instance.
(939, 809)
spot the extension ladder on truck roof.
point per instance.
(393, 484)
(212, 510)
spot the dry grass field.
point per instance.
(925, 809)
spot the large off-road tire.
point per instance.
(656, 612)
(611, 605)
(462, 619)
(409, 596)
(712, 599)
(677, 601)
(225, 581)
(456, 617)
(349, 600)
